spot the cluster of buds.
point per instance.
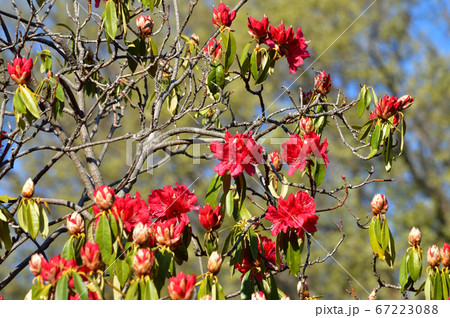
(181, 287)
(415, 237)
(379, 204)
(144, 25)
(28, 189)
(90, 255)
(210, 219)
(75, 223)
(306, 125)
(140, 233)
(276, 160)
(433, 256)
(222, 16)
(214, 263)
(143, 262)
(214, 50)
(389, 106)
(20, 71)
(104, 197)
(258, 296)
(168, 233)
(258, 29)
(322, 83)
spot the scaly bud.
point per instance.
(140, 233)
(415, 237)
(90, 255)
(258, 296)
(104, 197)
(28, 189)
(35, 264)
(379, 204)
(306, 125)
(143, 262)
(433, 257)
(445, 255)
(75, 223)
(214, 263)
(322, 83)
(181, 286)
(275, 158)
(145, 25)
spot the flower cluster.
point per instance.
(390, 106)
(322, 83)
(297, 213)
(223, 16)
(213, 49)
(20, 71)
(90, 255)
(298, 151)
(143, 262)
(168, 233)
(181, 286)
(239, 152)
(210, 219)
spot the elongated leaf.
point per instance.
(80, 287)
(39, 291)
(219, 291)
(244, 213)
(437, 293)
(403, 272)
(364, 131)
(376, 248)
(132, 293)
(414, 264)
(319, 173)
(68, 252)
(32, 218)
(254, 65)
(375, 140)
(246, 287)
(444, 285)
(152, 289)
(229, 204)
(265, 70)
(149, 4)
(205, 288)
(103, 237)
(122, 271)
(220, 76)
(164, 261)
(23, 206)
(30, 101)
(241, 188)
(18, 103)
(253, 240)
(110, 19)
(428, 287)
(273, 293)
(390, 254)
(231, 51)
(61, 292)
(212, 85)
(293, 256)
(384, 235)
(361, 103)
(43, 222)
(213, 191)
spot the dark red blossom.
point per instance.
(213, 49)
(390, 106)
(322, 83)
(55, 267)
(239, 152)
(169, 202)
(222, 16)
(210, 219)
(131, 211)
(181, 286)
(167, 233)
(297, 213)
(90, 255)
(258, 29)
(20, 71)
(297, 151)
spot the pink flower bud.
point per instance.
(36, 264)
(379, 204)
(210, 219)
(258, 296)
(306, 125)
(275, 158)
(90, 255)
(181, 286)
(140, 233)
(222, 16)
(214, 263)
(258, 29)
(75, 223)
(214, 50)
(445, 255)
(20, 71)
(168, 233)
(104, 197)
(322, 83)
(143, 262)
(405, 102)
(28, 189)
(145, 25)
(415, 237)
(433, 257)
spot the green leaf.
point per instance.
(122, 271)
(362, 99)
(132, 293)
(428, 286)
(110, 19)
(164, 261)
(437, 293)
(254, 245)
(273, 289)
(103, 237)
(254, 65)
(149, 4)
(364, 131)
(32, 219)
(444, 276)
(114, 224)
(244, 213)
(205, 288)
(241, 188)
(39, 291)
(61, 292)
(402, 136)
(212, 80)
(403, 272)
(319, 173)
(376, 248)
(265, 69)
(375, 140)
(390, 254)
(244, 60)
(378, 229)
(30, 102)
(5, 236)
(293, 255)
(152, 289)
(18, 103)
(229, 204)
(219, 291)
(80, 287)
(43, 222)
(68, 252)
(384, 235)
(220, 76)
(6, 198)
(231, 51)
(246, 287)
(414, 264)
(23, 206)
(213, 191)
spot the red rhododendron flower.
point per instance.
(297, 213)
(55, 267)
(222, 16)
(294, 48)
(20, 71)
(90, 255)
(322, 83)
(297, 151)
(145, 25)
(239, 152)
(169, 202)
(213, 49)
(167, 233)
(445, 255)
(91, 295)
(258, 296)
(258, 29)
(210, 219)
(1, 298)
(389, 106)
(131, 211)
(248, 263)
(275, 158)
(181, 286)
(143, 262)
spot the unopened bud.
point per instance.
(35, 264)
(258, 296)
(406, 101)
(104, 197)
(373, 295)
(445, 255)
(433, 257)
(145, 25)
(379, 204)
(75, 223)
(214, 263)
(285, 298)
(140, 234)
(415, 237)
(143, 262)
(28, 189)
(275, 158)
(195, 39)
(306, 125)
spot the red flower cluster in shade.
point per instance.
(213, 49)
(239, 152)
(297, 213)
(390, 106)
(210, 219)
(181, 286)
(169, 202)
(297, 151)
(222, 16)
(20, 71)
(248, 263)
